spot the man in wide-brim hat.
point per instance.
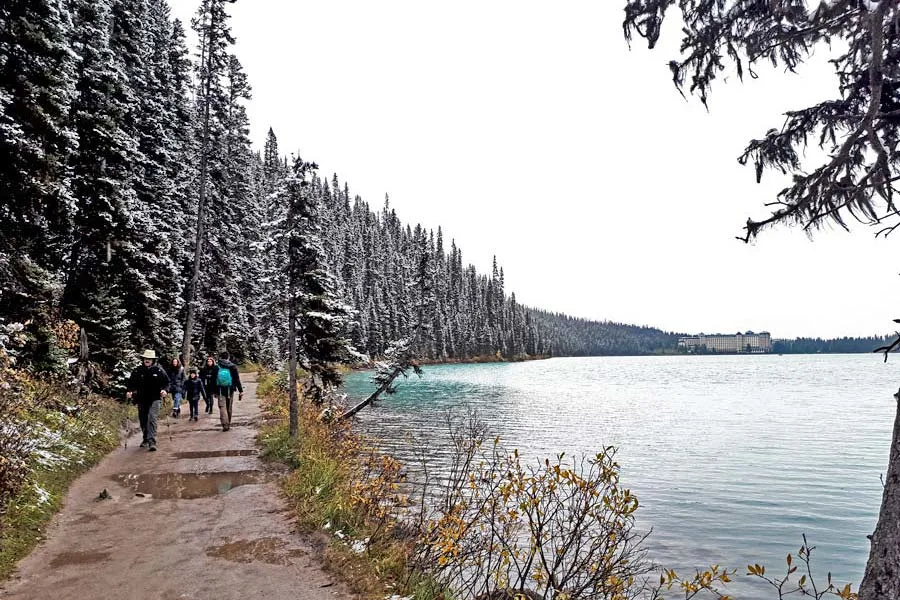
(148, 384)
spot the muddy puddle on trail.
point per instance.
(173, 429)
(215, 453)
(78, 558)
(271, 551)
(190, 486)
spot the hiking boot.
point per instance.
(152, 448)
(144, 444)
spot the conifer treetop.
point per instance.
(858, 128)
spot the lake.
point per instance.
(733, 458)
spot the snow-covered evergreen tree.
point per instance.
(36, 88)
(321, 318)
(164, 132)
(233, 215)
(142, 42)
(103, 264)
(270, 250)
(212, 109)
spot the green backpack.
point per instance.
(223, 379)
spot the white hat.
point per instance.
(151, 354)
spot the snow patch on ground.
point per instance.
(51, 449)
(43, 496)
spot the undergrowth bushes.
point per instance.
(49, 434)
(342, 486)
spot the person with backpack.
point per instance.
(148, 384)
(227, 380)
(209, 374)
(193, 389)
(176, 385)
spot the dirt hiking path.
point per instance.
(201, 518)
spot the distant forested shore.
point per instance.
(843, 345)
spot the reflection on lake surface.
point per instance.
(732, 457)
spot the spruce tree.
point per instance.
(36, 141)
(425, 300)
(214, 35)
(233, 216)
(272, 255)
(318, 317)
(102, 260)
(162, 128)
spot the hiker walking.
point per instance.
(176, 385)
(209, 374)
(227, 380)
(148, 382)
(193, 389)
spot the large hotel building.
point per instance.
(738, 343)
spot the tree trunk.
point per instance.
(292, 368)
(371, 398)
(294, 406)
(882, 578)
(84, 357)
(201, 204)
(198, 255)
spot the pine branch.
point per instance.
(819, 188)
(890, 347)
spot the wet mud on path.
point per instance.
(200, 518)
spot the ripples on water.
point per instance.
(732, 457)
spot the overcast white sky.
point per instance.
(529, 130)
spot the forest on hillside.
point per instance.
(135, 207)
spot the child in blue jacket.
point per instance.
(193, 390)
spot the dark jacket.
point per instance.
(208, 376)
(193, 388)
(235, 377)
(147, 382)
(176, 380)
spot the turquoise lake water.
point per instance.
(733, 458)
